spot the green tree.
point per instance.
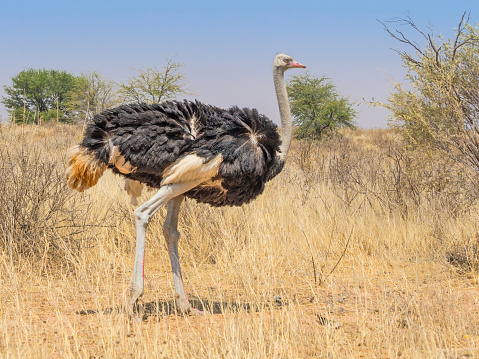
(438, 108)
(153, 85)
(317, 108)
(36, 94)
(91, 95)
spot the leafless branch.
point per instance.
(342, 254)
(399, 35)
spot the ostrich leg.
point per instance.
(142, 217)
(170, 231)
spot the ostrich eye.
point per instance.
(288, 60)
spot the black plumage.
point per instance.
(152, 137)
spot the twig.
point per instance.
(342, 254)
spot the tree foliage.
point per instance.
(91, 95)
(438, 108)
(153, 85)
(317, 108)
(38, 93)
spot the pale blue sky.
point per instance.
(227, 47)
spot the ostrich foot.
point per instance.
(184, 307)
(133, 310)
(196, 312)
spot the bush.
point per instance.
(378, 172)
(41, 218)
(437, 110)
(317, 108)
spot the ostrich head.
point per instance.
(286, 62)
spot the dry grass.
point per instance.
(264, 271)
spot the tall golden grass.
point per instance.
(344, 255)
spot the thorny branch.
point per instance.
(399, 36)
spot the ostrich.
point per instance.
(216, 156)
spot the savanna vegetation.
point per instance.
(40, 95)
(356, 250)
(317, 107)
(364, 246)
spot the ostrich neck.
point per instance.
(284, 111)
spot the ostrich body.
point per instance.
(216, 156)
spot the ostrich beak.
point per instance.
(297, 65)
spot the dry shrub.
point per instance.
(465, 256)
(376, 170)
(41, 218)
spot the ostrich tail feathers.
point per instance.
(84, 168)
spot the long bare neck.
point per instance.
(284, 111)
